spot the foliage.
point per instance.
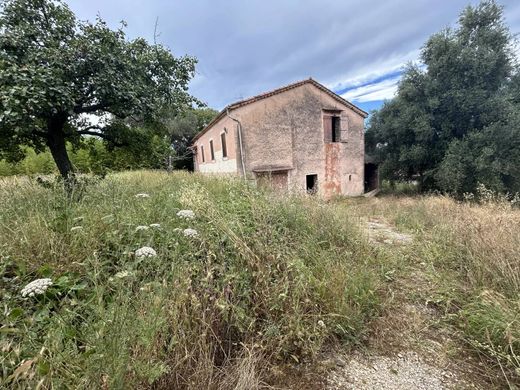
(182, 128)
(56, 72)
(267, 276)
(93, 156)
(454, 120)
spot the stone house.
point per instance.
(301, 137)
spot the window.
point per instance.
(331, 128)
(202, 153)
(336, 129)
(312, 183)
(224, 146)
(212, 150)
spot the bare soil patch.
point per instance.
(380, 232)
(406, 371)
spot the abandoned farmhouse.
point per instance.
(301, 137)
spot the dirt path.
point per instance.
(380, 232)
(407, 350)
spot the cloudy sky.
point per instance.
(245, 47)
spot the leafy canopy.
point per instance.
(182, 128)
(56, 72)
(452, 112)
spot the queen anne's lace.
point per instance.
(186, 214)
(155, 225)
(190, 232)
(141, 227)
(123, 274)
(36, 287)
(145, 251)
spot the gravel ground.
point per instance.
(405, 371)
(380, 232)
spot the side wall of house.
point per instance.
(219, 164)
(286, 130)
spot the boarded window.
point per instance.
(202, 153)
(273, 180)
(224, 146)
(212, 151)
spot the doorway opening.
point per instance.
(371, 177)
(312, 183)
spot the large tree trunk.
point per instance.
(57, 145)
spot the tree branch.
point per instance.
(90, 128)
(92, 108)
(100, 135)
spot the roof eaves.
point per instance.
(276, 91)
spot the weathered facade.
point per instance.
(300, 137)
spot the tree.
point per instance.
(182, 127)
(439, 127)
(57, 72)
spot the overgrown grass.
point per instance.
(473, 254)
(268, 279)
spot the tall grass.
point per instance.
(473, 252)
(268, 279)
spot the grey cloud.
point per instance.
(247, 47)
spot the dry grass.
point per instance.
(229, 309)
(465, 262)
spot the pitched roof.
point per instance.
(288, 87)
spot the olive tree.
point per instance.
(453, 123)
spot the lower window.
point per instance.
(312, 183)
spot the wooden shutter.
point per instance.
(327, 128)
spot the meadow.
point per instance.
(255, 282)
(263, 281)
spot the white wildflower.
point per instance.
(186, 214)
(75, 228)
(141, 227)
(145, 251)
(321, 324)
(190, 232)
(142, 195)
(123, 274)
(155, 225)
(36, 287)
(77, 219)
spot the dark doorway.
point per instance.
(371, 177)
(312, 183)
